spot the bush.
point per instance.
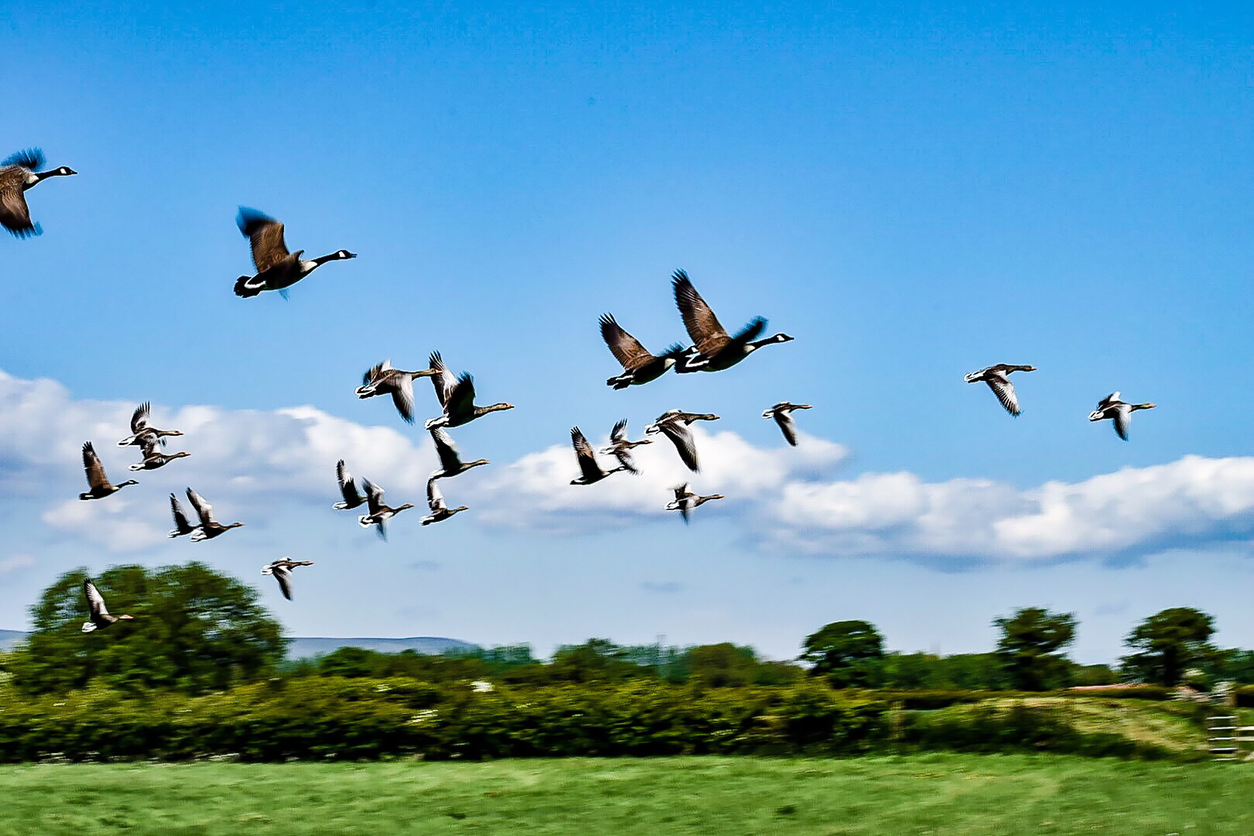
(355, 718)
(990, 728)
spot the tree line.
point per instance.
(197, 631)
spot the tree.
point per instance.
(723, 665)
(1168, 643)
(194, 630)
(1029, 642)
(848, 653)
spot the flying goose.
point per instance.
(277, 269)
(98, 484)
(282, 571)
(674, 424)
(99, 616)
(620, 447)
(140, 428)
(715, 350)
(1111, 407)
(153, 457)
(457, 396)
(782, 413)
(209, 527)
(435, 501)
(348, 488)
(379, 513)
(181, 524)
(590, 471)
(685, 501)
(17, 174)
(385, 380)
(639, 365)
(998, 379)
(450, 463)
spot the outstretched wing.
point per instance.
(435, 499)
(283, 575)
(442, 380)
(1005, 392)
(787, 426)
(583, 453)
(265, 235)
(139, 418)
(684, 443)
(450, 462)
(95, 470)
(203, 509)
(625, 348)
(461, 400)
(95, 601)
(700, 322)
(348, 488)
(374, 496)
(1122, 418)
(372, 373)
(181, 522)
(14, 213)
(619, 433)
(31, 159)
(403, 396)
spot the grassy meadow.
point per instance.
(933, 794)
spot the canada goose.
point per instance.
(181, 524)
(620, 447)
(457, 396)
(674, 424)
(450, 463)
(1111, 407)
(384, 380)
(348, 488)
(141, 430)
(282, 571)
(435, 501)
(99, 613)
(639, 365)
(782, 413)
(715, 349)
(153, 457)
(998, 379)
(379, 513)
(98, 484)
(590, 471)
(277, 269)
(685, 501)
(17, 174)
(208, 528)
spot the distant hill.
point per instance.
(300, 648)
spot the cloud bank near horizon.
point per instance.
(793, 499)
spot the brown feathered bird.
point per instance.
(17, 174)
(277, 269)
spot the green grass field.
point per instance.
(935, 794)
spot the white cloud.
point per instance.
(16, 563)
(246, 461)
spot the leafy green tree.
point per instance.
(848, 653)
(194, 630)
(596, 660)
(723, 665)
(1028, 647)
(1167, 643)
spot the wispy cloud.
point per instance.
(16, 563)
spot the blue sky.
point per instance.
(911, 193)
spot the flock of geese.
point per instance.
(712, 349)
